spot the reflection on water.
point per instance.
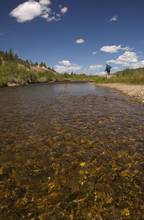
(70, 151)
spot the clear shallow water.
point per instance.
(70, 151)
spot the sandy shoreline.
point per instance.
(136, 91)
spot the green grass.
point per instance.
(15, 70)
(11, 72)
(128, 76)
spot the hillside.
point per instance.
(15, 71)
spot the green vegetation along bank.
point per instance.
(15, 71)
(128, 76)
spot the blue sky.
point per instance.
(75, 35)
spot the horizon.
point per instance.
(75, 36)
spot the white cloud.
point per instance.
(113, 48)
(139, 64)
(115, 68)
(65, 62)
(45, 2)
(31, 9)
(114, 18)
(95, 67)
(66, 66)
(126, 58)
(27, 11)
(64, 10)
(80, 41)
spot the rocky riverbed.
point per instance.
(70, 152)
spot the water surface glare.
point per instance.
(70, 152)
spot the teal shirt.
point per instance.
(108, 68)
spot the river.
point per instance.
(70, 151)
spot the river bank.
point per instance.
(9, 84)
(136, 91)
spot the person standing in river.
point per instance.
(108, 70)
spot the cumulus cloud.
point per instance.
(65, 63)
(31, 9)
(139, 64)
(64, 10)
(95, 66)
(128, 60)
(27, 11)
(128, 56)
(113, 48)
(66, 66)
(80, 41)
(45, 2)
(114, 18)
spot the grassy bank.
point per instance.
(128, 76)
(15, 71)
(13, 74)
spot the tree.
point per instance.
(43, 64)
(11, 55)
